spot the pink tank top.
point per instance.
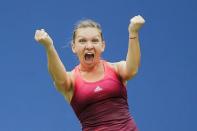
(102, 105)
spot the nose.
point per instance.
(89, 45)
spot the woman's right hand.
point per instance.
(42, 37)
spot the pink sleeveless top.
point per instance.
(102, 105)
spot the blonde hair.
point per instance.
(84, 24)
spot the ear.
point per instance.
(73, 48)
(103, 46)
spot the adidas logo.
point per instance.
(97, 89)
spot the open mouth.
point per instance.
(89, 56)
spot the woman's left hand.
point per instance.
(135, 24)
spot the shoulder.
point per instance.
(112, 65)
(116, 65)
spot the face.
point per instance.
(88, 46)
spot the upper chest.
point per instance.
(91, 92)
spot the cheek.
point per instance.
(99, 49)
(79, 49)
(79, 53)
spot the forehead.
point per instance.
(87, 32)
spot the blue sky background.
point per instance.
(162, 97)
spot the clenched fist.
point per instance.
(42, 37)
(135, 24)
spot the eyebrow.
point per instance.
(85, 36)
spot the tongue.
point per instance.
(89, 57)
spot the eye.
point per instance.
(95, 40)
(81, 40)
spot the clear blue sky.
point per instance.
(162, 97)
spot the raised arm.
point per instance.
(127, 69)
(56, 68)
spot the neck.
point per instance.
(89, 68)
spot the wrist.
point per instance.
(133, 35)
(49, 46)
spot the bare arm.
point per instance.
(55, 66)
(127, 69)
